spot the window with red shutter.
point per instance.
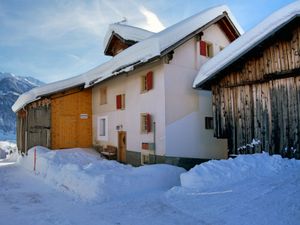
(119, 101)
(148, 123)
(203, 48)
(149, 80)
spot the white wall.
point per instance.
(217, 37)
(187, 137)
(187, 108)
(178, 110)
(152, 102)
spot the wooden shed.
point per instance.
(60, 120)
(256, 91)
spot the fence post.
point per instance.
(34, 159)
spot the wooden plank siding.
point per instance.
(258, 97)
(71, 119)
(33, 125)
(63, 120)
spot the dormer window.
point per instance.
(206, 49)
(116, 45)
(121, 36)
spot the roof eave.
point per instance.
(270, 34)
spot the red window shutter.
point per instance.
(119, 101)
(148, 123)
(145, 145)
(203, 48)
(149, 79)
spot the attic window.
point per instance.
(147, 82)
(206, 49)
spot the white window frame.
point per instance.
(100, 136)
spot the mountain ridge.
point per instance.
(11, 87)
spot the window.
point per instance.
(147, 82)
(209, 123)
(206, 49)
(102, 129)
(146, 122)
(120, 101)
(103, 95)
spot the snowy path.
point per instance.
(265, 190)
(26, 199)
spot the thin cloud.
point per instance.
(153, 23)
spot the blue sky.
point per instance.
(56, 39)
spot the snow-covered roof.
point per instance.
(36, 93)
(246, 42)
(127, 32)
(141, 52)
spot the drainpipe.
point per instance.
(154, 141)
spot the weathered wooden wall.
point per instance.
(70, 127)
(21, 129)
(258, 97)
(33, 125)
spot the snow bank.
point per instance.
(8, 150)
(2, 154)
(220, 173)
(89, 177)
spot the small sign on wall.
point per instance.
(84, 116)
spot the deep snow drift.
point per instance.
(219, 173)
(85, 174)
(81, 188)
(250, 189)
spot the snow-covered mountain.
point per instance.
(11, 86)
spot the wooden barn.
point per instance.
(255, 85)
(53, 121)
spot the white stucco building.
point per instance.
(169, 122)
(143, 102)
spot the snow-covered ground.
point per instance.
(77, 187)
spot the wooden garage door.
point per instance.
(71, 119)
(67, 130)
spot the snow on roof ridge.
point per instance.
(35, 93)
(246, 42)
(167, 37)
(127, 32)
(141, 52)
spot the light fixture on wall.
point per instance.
(119, 127)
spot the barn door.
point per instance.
(122, 146)
(67, 132)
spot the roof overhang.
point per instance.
(246, 43)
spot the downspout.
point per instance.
(154, 141)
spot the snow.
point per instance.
(217, 174)
(246, 42)
(250, 189)
(35, 93)
(126, 32)
(141, 52)
(71, 170)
